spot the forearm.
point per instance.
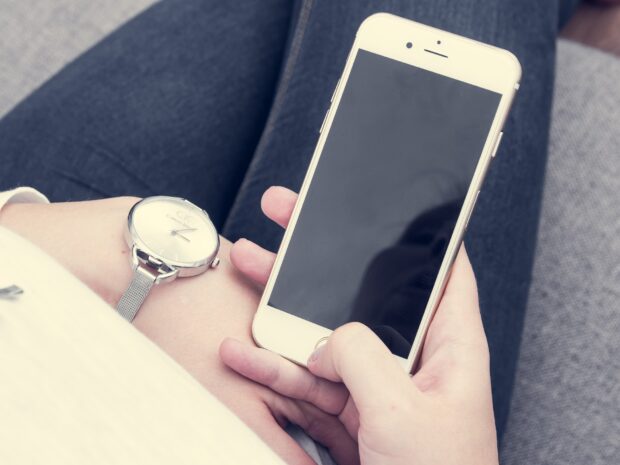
(109, 395)
(188, 317)
(87, 241)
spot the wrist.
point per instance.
(85, 237)
(11, 214)
(189, 317)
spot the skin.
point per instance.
(358, 403)
(443, 414)
(187, 318)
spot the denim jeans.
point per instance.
(215, 101)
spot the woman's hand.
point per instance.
(442, 415)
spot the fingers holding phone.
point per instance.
(443, 414)
(375, 237)
(252, 260)
(402, 153)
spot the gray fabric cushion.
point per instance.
(566, 405)
(37, 38)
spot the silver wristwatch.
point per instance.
(169, 238)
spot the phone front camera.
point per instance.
(409, 45)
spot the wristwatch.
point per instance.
(169, 238)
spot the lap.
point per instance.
(174, 102)
(502, 233)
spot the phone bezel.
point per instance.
(456, 57)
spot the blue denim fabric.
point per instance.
(502, 231)
(174, 102)
(215, 101)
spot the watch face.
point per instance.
(174, 230)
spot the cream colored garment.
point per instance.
(79, 385)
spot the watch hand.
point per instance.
(176, 233)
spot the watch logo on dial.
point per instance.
(182, 218)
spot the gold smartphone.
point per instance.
(414, 123)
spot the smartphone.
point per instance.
(414, 123)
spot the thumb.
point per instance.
(355, 356)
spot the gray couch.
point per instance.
(566, 406)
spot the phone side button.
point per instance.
(472, 209)
(324, 120)
(497, 142)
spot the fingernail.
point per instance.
(316, 354)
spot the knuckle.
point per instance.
(269, 375)
(350, 333)
(314, 425)
(353, 330)
(355, 335)
(312, 390)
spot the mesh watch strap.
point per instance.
(135, 294)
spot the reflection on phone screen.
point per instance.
(385, 196)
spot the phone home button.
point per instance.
(320, 342)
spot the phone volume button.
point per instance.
(324, 120)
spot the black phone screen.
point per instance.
(384, 199)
